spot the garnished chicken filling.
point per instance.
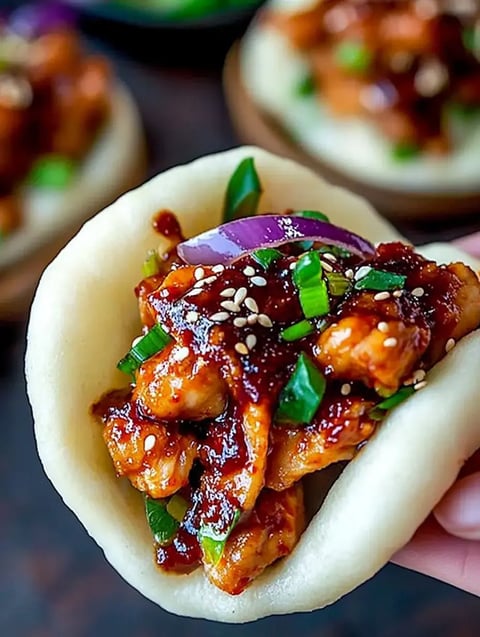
(265, 370)
(53, 102)
(410, 66)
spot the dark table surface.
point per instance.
(54, 581)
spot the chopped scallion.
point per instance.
(150, 344)
(212, 542)
(177, 507)
(301, 397)
(52, 171)
(353, 56)
(161, 523)
(266, 256)
(314, 300)
(308, 270)
(405, 151)
(380, 281)
(338, 284)
(379, 411)
(297, 331)
(151, 266)
(312, 214)
(306, 86)
(243, 191)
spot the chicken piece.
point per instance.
(155, 459)
(467, 299)
(269, 533)
(171, 388)
(334, 435)
(355, 349)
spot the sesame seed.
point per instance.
(252, 319)
(199, 284)
(418, 376)
(418, 292)
(240, 295)
(230, 306)
(330, 257)
(220, 316)
(420, 385)
(264, 320)
(239, 321)
(381, 296)
(390, 342)
(260, 281)
(227, 292)
(362, 272)
(251, 304)
(292, 265)
(192, 316)
(327, 266)
(251, 341)
(345, 389)
(398, 293)
(149, 442)
(349, 273)
(199, 273)
(218, 268)
(210, 279)
(431, 78)
(241, 348)
(249, 271)
(181, 354)
(195, 291)
(450, 345)
(382, 327)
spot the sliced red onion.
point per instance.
(234, 240)
(33, 20)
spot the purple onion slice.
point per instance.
(33, 20)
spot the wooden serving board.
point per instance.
(255, 127)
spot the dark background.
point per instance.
(54, 581)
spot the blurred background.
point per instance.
(54, 581)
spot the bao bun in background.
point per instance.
(260, 81)
(85, 297)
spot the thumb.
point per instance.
(459, 511)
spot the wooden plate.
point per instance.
(255, 127)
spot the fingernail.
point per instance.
(459, 511)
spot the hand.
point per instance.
(447, 545)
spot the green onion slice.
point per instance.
(151, 265)
(161, 523)
(297, 331)
(177, 507)
(314, 300)
(312, 214)
(212, 542)
(306, 86)
(405, 151)
(308, 270)
(52, 171)
(243, 191)
(338, 284)
(353, 56)
(301, 397)
(266, 256)
(152, 343)
(380, 281)
(379, 411)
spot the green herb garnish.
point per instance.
(312, 289)
(243, 191)
(405, 151)
(297, 331)
(353, 56)
(338, 284)
(161, 523)
(266, 256)
(301, 397)
(380, 281)
(151, 265)
(52, 171)
(379, 411)
(150, 344)
(212, 542)
(312, 214)
(306, 86)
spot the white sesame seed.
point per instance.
(382, 327)
(192, 316)
(260, 281)
(249, 271)
(418, 292)
(199, 273)
(418, 376)
(230, 306)
(450, 345)
(264, 320)
(240, 295)
(420, 385)
(398, 293)
(196, 290)
(431, 78)
(227, 292)
(199, 284)
(251, 304)
(330, 257)
(218, 268)
(292, 265)
(326, 266)
(362, 272)
(390, 342)
(381, 296)
(349, 273)
(252, 319)
(181, 354)
(251, 341)
(345, 389)
(239, 321)
(241, 348)
(220, 316)
(210, 279)
(149, 442)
